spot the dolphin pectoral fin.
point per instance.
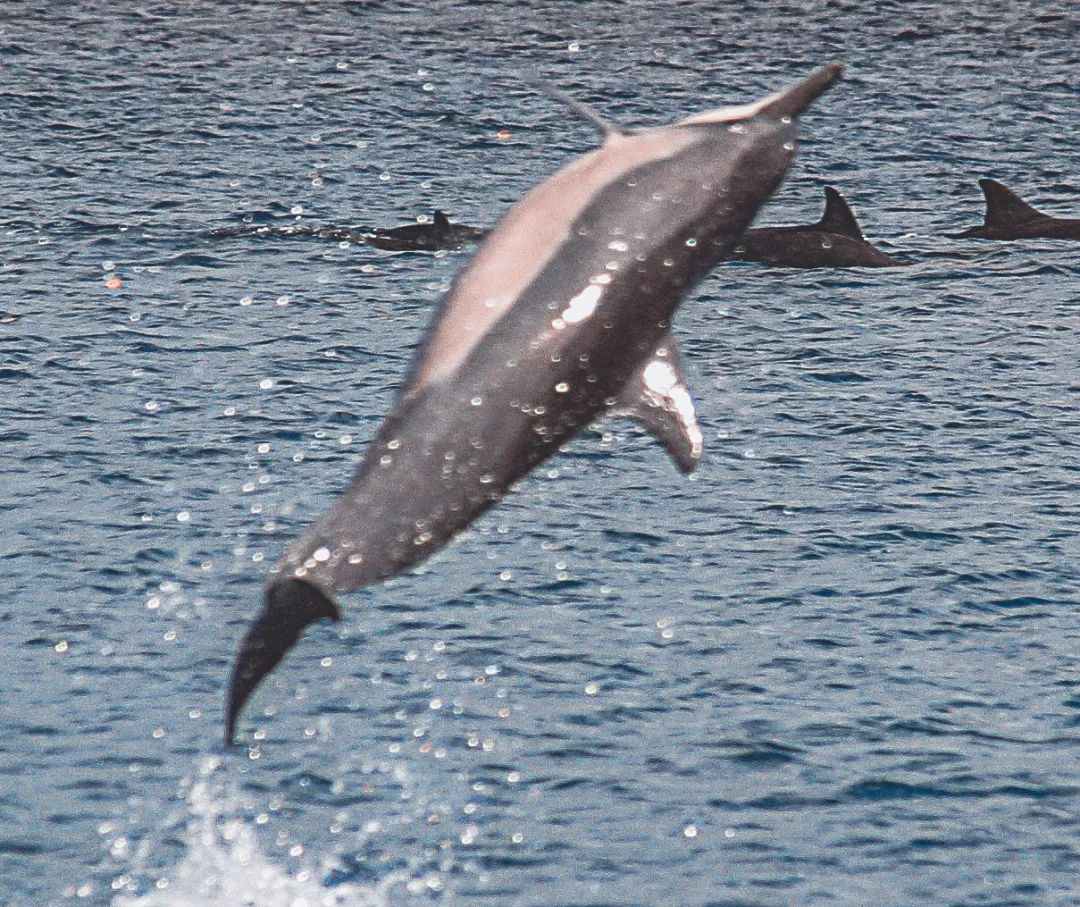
(658, 399)
(289, 606)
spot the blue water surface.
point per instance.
(838, 666)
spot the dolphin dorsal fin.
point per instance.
(439, 219)
(606, 128)
(1003, 206)
(838, 216)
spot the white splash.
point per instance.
(224, 866)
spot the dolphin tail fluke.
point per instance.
(289, 606)
(1004, 207)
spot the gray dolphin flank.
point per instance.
(562, 316)
(835, 241)
(1009, 217)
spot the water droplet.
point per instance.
(562, 387)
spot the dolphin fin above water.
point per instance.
(561, 317)
(431, 236)
(838, 217)
(589, 114)
(834, 241)
(1009, 217)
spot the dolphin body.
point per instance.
(835, 241)
(1009, 217)
(561, 317)
(439, 233)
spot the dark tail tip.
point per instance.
(798, 98)
(289, 605)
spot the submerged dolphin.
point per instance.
(835, 241)
(1009, 217)
(562, 317)
(433, 236)
(439, 233)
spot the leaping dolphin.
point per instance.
(1009, 217)
(835, 241)
(562, 316)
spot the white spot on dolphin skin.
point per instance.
(321, 555)
(660, 377)
(583, 305)
(618, 246)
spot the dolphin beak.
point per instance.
(798, 98)
(782, 105)
(289, 605)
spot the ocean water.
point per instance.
(838, 666)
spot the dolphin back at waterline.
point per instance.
(562, 316)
